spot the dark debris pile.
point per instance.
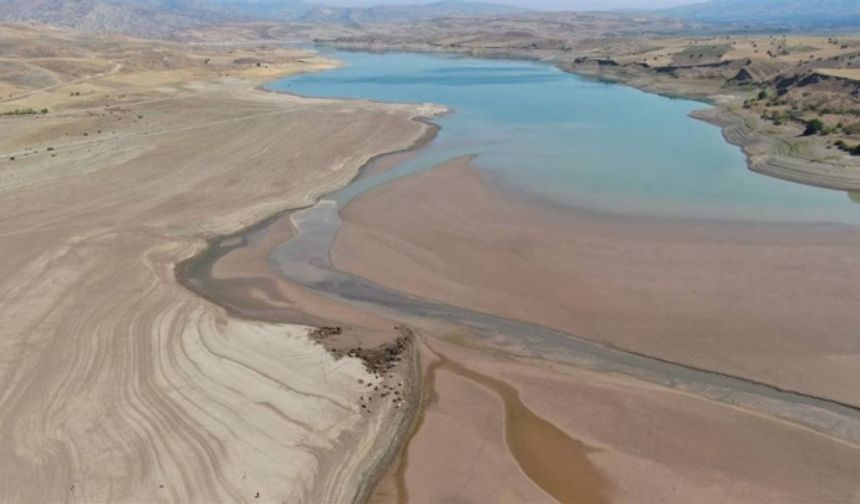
(380, 363)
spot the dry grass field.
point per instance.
(47, 67)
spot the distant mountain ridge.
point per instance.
(280, 10)
(162, 18)
(407, 13)
(159, 18)
(801, 14)
(151, 18)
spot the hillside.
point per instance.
(147, 18)
(162, 18)
(406, 13)
(274, 10)
(783, 14)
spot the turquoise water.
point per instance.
(573, 140)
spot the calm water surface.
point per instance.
(573, 140)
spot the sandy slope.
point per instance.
(118, 384)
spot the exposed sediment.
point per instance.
(686, 291)
(466, 245)
(120, 384)
(233, 272)
(771, 156)
(372, 358)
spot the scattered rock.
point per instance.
(326, 331)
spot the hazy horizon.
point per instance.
(535, 4)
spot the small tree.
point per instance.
(813, 127)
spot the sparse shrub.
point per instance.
(852, 129)
(813, 127)
(21, 112)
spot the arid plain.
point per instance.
(118, 383)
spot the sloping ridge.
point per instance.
(808, 14)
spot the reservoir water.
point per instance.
(569, 140)
(573, 140)
(559, 137)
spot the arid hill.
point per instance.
(164, 18)
(147, 18)
(782, 14)
(405, 13)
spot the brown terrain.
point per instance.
(769, 303)
(503, 428)
(151, 353)
(613, 439)
(118, 383)
(773, 303)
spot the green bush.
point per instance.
(813, 127)
(23, 112)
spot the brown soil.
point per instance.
(769, 302)
(548, 456)
(120, 384)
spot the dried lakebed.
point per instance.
(551, 136)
